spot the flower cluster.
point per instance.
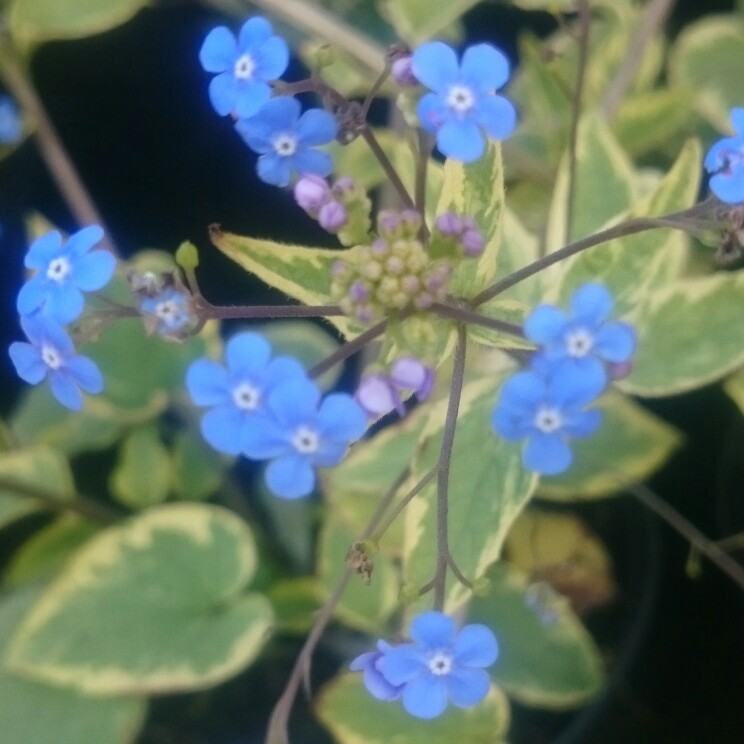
(268, 409)
(52, 298)
(274, 128)
(379, 393)
(725, 160)
(547, 404)
(165, 305)
(440, 665)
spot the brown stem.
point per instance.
(463, 315)
(214, 312)
(348, 349)
(382, 158)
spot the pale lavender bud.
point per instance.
(379, 248)
(449, 224)
(377, 396)
(344, 188)
(340, 270)
(311, 192)
(402, 71)
(365, 314)
(388, 224)
(359, 292)
(472, 243)
(410, 221)
(423, 301)
(435, 282)
(394, 265)
(410, 373)
(619, 370)
(410, 283)
(332, 216)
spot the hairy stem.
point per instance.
(252, 312)
(348, 349)
(463, 315)
(55, 155)
(443, 468)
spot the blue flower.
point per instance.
(285, 140)
(298, 433)
(547, 408)
(244, 66)
(440, 665)
(51, 355)
(374, 680)
(583, 338)
(237, 394)
(168, 313)
(62, 271)
(11, 128)
(726, 161)
(463, 106)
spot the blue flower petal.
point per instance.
(254, 32)
(467, 687)
(312, 161)
(28, 363)
(219, 50)
(46, 330)
(475, 646)
(510, 424)
(290, 476)
(272, 58)
(460, 139)
(591, 303)
(316, 127)
(567, 389)
(403, 663)
(283, 368)
(737, 120)
(263, 438)
(547, 454)
(432, 112)
(341, 418)
(223, 93)
(544, 324)
(85, 373)
(82, 241)
(583, 423)
(294, 402)
(247, 354)
(251, 95)
(64, 303)
(43, 250)
(433, 629)
(93, 271)
(257, 134)
(207, 383)
(221, 427)
(425, 696)
(615, 342)
(729, 188)
(329, 454)
(484, 66)
(374, 680)
(65, 390)
(274, 169)
(32, 295)
(435, 65)
(496, 115)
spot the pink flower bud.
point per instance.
(449, 224)
(332, 216)
(311, 192)
(472, 243)
(377, 396)
(402, 71)
(619, 370)
(410, 373)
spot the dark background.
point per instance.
(131, 107)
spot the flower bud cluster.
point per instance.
(342, 208)
(395, 272)
(457, 235)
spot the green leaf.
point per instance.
(416, 21)
(629, 445)
(40, 419)
(295, 602)
(36, 21)
(476, 189)
(353, 716)
(156, 604)
(301, 272)
(362, 606)
(689, 334)
(48, 550)
(633, 266)
(35, 467)
(142, 474)
(33, 713)
(734, 388)
(546, 657)
(702, 60)
(603, 184)
(196, 467)
(488, 487)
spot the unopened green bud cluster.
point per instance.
(393, 273)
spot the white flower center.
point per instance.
(58, 269)
(244, 67)
(305, 440)
(246, 397)
(168, 311)
(460, 99)
(285, 145)
(548, 419)
(52, 358)
(579, 343)
(440, 663)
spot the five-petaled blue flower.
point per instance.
(440, 665)
(374, 680)
(463, 105)
(11, 128)
(244, 66)
(298, 432)
(167, 313)
(285, 140)
(726, 161)
(51, 355)
(237, 393)
(547, 407)
(62, 271)
(583, 338)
